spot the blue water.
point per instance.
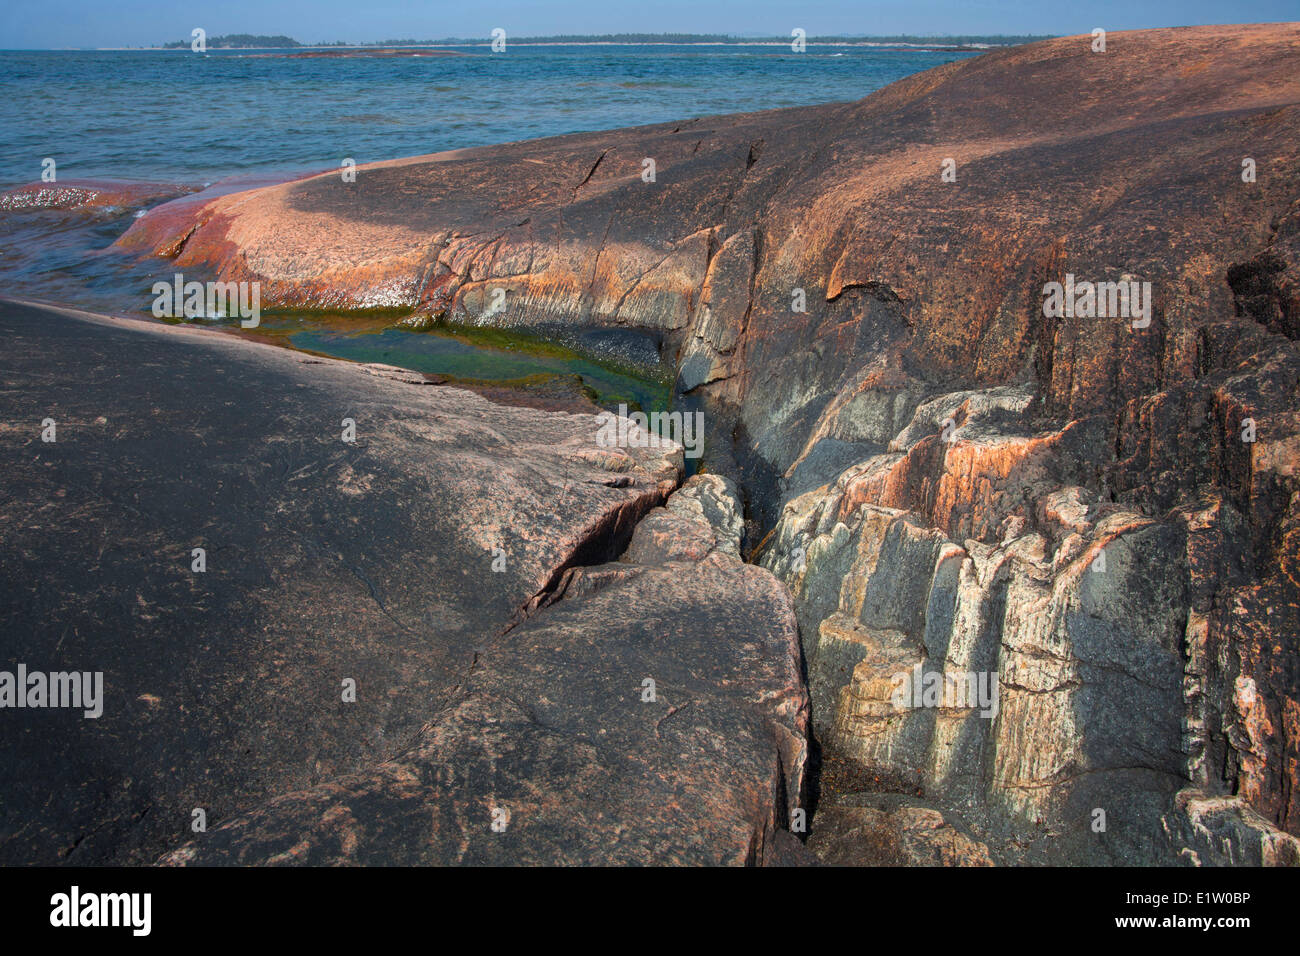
(176, 115)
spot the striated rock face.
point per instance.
(452, 563)
(1226, 833)
(1070, 620)
(1100, 510)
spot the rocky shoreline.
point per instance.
(933, 473)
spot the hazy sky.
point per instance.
(107, 23)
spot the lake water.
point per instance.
(167, 115)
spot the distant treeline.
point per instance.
(248, 40)
(236, 41)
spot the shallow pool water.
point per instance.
(467, 354)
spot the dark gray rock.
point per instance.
(371, 561)
(646, 714)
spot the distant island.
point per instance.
(239, 41)
(249, 41)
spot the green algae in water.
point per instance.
(470, 354)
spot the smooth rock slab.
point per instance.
(326, 560)
(558, 751)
